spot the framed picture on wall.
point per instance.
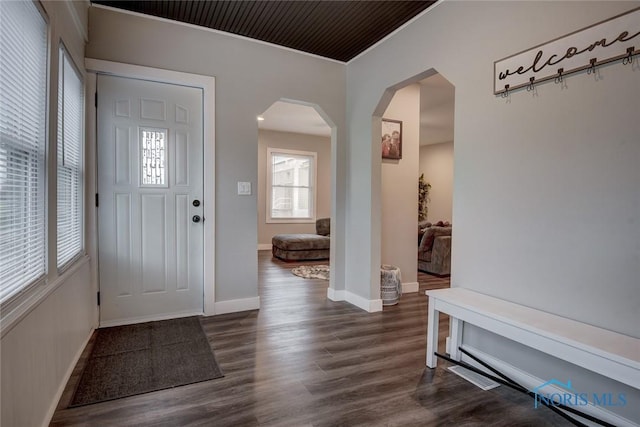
(391, 139)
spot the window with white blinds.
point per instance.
(70, 131)
(291, 180)
(23, 101)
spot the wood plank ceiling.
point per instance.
(333, 29)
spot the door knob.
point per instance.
(196, 218)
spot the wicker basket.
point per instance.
(390, 284)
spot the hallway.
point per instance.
(305, 360)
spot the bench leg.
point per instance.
(432, 333)
(456, 338)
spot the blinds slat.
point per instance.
(23, 100)
(70, 141)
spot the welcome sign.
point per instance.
(611, 40)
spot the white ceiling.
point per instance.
(436, 110)
(436, 114)
(289, 117)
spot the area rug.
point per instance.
(135, 359)
(312, 271)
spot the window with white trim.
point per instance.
(23, 120)
(70, 142)
(291, 180)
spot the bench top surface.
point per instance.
(566, 330)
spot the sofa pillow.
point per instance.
(323, 226)
(427, 242)
(422, 227)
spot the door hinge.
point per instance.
(96, 99)
(98, 298)
(97, 200)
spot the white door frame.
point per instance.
(207, 84)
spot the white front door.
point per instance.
(150, 187)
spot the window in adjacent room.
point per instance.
(23, 119)
(291, 180)
(70, 142)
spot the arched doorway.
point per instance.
(292, 132)
(422, 107)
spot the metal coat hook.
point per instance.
(505, 94)
(559, 78)
(530, 87)
(592, 69)
(629, 58)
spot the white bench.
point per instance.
(608, 353)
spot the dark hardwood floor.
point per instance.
(303, 360)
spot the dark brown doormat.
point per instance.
(136, 359)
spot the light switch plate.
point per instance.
(244, 188)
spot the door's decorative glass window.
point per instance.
(153, 156)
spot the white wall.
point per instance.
(301, 142)
(437, 109)
(39, 352)
(546, 202)
(399, 198)
(43, 338)
(250, 76)
(436, 163)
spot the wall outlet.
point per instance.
(244, 188)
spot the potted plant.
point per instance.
(423, 198)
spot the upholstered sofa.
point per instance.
(298, 247)
(434, 250)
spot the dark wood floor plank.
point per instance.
(303, 360)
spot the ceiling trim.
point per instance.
(223, 33)
(397, 30)
(82, 31)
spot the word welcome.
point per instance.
(601, 43)
(572, 51)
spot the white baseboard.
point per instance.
(237, 305)
(65, 380)
(264, 246)
(370, 306)
(334, 295)
(410, 287)
(530, 382)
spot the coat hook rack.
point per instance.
(614, 40)
(592, 68)
(629, 58)
(530, 86)
(559, 78)
(505, 94)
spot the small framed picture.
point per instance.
(391, 139)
